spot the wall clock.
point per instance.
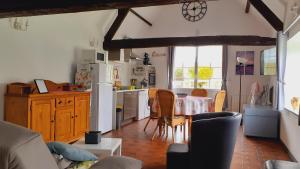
(194, 11)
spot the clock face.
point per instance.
(194, 11)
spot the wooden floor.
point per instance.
(250, 153)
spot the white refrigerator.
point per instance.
(101, 80)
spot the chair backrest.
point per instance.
(200, 92)
(166, 99)
(152, 95)
(213, 140)
(21, 148)
(219, 101)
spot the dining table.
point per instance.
(192, 105)
(188, 106)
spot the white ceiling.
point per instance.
(224, 17)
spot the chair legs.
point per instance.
(147, 124)
(153, 135)
(163, 130)
(173, 134)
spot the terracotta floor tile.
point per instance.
(249, 153)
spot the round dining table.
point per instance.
(191, 105)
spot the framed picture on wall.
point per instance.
(41, 86)
(247, 67)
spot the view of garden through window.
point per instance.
(207, 60)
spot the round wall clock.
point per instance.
(194, 11)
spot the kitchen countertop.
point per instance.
(135, 90)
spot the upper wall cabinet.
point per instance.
(122, 55)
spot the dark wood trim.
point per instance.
(190, 41)
(15, 8)
(248, 5)
(141, 17)
(122, 13)
(268, 14)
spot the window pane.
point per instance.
(292, 83)
(210, 66)
(185, 57)
(184, 67)
(210, 56)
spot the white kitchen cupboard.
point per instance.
(143, 108)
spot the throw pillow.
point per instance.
(70, 152)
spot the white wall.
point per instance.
(247, 80)
(226, 17)
(48, 49)
(160, 63)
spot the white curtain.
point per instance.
(281, 63)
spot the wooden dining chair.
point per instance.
(166, 99)
(153, 113)
(219, 101)
(200, 92)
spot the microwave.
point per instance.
(93, 56)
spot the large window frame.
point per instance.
(291, 82)
(197, 67)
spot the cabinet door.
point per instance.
(64, 124)
(42, 118)
(82, 109)
(130, 105)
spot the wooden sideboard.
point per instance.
(58, 116)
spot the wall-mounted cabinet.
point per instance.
(122, 55)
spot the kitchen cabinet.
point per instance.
(58, 116)
(130, 105)
(121, 55)
(134, 103)
(143, 108)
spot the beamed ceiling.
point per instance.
(14, 8)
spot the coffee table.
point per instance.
(107, 147)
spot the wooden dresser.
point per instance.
(58, 116)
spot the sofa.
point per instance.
(21, 148)
(211, 143)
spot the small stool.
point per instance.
(178, 156)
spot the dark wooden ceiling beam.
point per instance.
(140, 17)
(15, 8)
(248, 5)
(268, 14)
(190, 41)
(122, 13)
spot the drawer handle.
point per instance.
(69, 101)
(52, 121)
(60, 102)
(72, 117)
(76, 116)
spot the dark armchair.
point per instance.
(211, 144)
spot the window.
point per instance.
(207, 60)
(291, 79)
(268, 62)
